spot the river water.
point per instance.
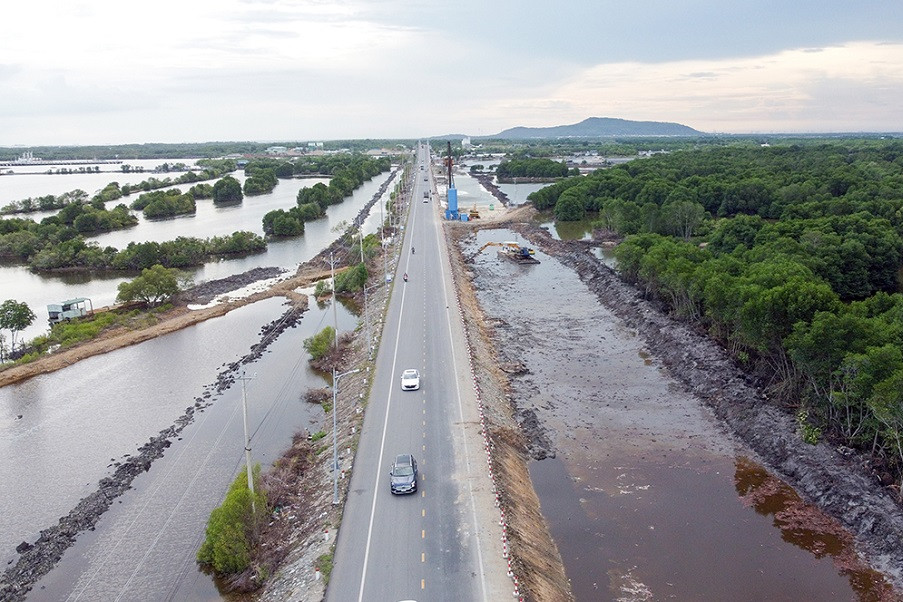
(648, 498)
(83, 418)
(38, 290)
(62, 432)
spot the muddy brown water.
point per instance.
(648, 497)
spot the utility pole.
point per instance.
(366, 319)
(244, 405)
(335, 315)
(335, 435)
(382, 240)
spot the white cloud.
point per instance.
(292, 69)
(851, 87)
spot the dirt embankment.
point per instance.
(536, 560)
(837, 481)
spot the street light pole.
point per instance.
(335, 435)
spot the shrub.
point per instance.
(324, 563)
(351, 280)
(320, 344)
(323, 288)
(233, 526)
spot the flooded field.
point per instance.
(648, 496)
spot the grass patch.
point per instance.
(68, 334)
(324, 563)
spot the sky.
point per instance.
(84, 72)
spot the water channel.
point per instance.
(39, 289)
(62, 432)
(649, 497)
(143, 548)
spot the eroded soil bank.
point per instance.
(658, 436)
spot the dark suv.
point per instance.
(403, 477)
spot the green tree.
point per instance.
(569, 207)
(351, 280)
(683, 217)
(155, 285)
(287, 225)
(227, 190)
(15, 316)
(886, 403)
(320, 344)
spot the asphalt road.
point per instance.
(426, 545)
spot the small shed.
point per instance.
(73, 308)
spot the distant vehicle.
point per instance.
(410, 380)
(403, 476)
(68, 310)
(421, 168)
(426, 194)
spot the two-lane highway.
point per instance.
(426, 545)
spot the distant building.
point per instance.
(276, 150)
(28, 157)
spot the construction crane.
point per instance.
(448, 166)
(451, 209)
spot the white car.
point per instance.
(410, 380)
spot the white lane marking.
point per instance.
(382, 444)
(473, 504)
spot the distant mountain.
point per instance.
(600, 127)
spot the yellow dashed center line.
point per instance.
(423, 512)
(423, 534)
(422, 556)
(423, 584)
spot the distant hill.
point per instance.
(600, 127)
